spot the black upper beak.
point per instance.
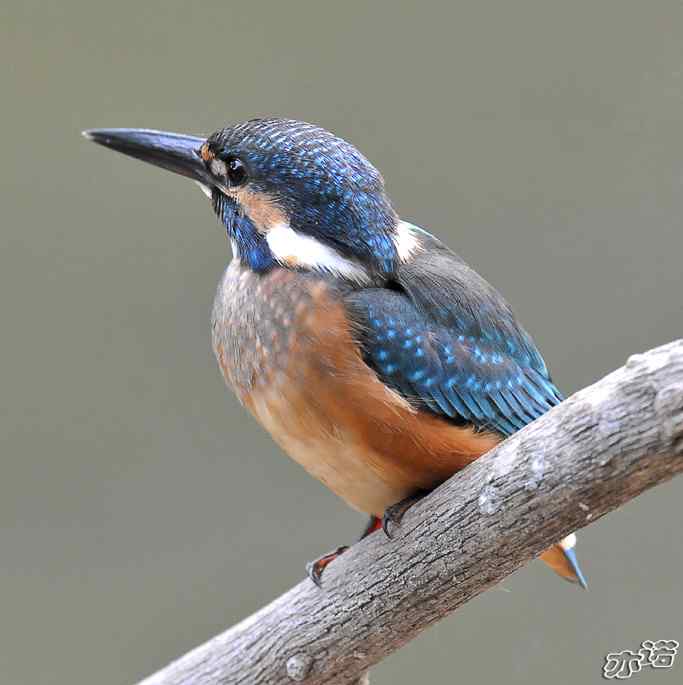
(173, 151)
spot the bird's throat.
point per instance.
(250, 245)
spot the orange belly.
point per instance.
(310, 388)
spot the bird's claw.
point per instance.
(395, 513)
(315, 568)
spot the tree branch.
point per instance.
(596, 451)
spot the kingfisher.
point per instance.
(372, 353)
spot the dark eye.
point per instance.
(237, 172)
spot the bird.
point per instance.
(373, 354)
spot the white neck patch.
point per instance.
(406, 240)
(295, 249)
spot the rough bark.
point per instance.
(596, 451)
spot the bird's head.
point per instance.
(288, 192)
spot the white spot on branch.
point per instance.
(298, 666)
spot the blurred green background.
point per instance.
(141, 510)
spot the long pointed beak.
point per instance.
(175, 152)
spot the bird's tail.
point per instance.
(562, 559)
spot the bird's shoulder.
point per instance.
(444, 337)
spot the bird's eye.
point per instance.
(236, 171)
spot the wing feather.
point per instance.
(448, 342)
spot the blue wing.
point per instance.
(447, 341)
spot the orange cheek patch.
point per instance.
(260, 208)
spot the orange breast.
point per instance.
(284, 343)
